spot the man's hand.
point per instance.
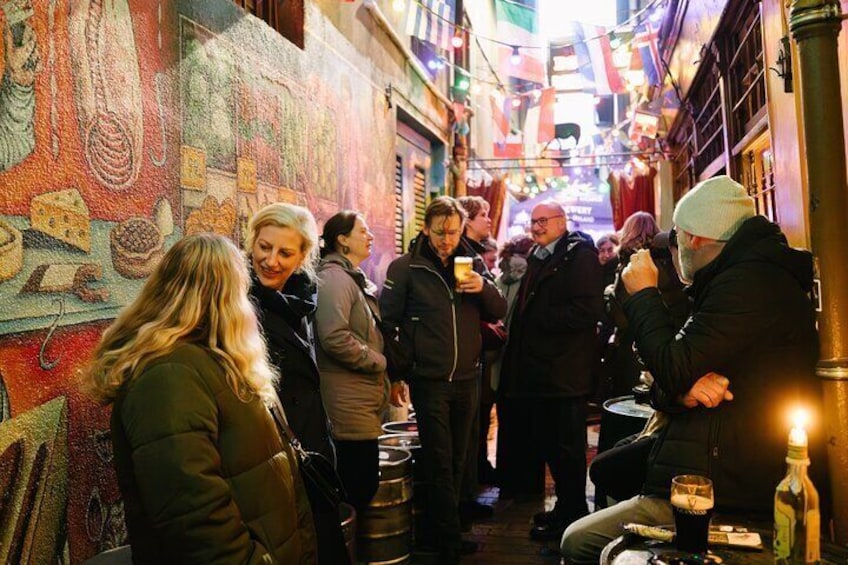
(641, 273)
(472, 283)
(399, 394)
(710, 391)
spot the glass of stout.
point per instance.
(692, 505)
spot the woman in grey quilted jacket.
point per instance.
(354, 383)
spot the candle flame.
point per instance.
(800, 418)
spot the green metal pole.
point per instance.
(815, 26)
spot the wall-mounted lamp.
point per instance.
(388, 93)
(784, 64)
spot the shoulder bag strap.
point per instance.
(278, 414)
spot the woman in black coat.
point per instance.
(622, 366)
(282, 242)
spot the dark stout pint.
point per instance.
(692, 514)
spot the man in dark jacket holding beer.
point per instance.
(437, 315)
(751, 331)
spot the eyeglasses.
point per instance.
(672, 237)
(445, 233)
(543, 221)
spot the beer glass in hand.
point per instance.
(692, 504)
(461, 269)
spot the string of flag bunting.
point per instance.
(599, 60)
(522, 54)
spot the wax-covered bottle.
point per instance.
(797, 519)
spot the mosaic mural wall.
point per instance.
(124, 125)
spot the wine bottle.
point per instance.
(797, 519)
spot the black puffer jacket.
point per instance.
(438, 328)
(752, 321)
(553, 344)
(286, 321)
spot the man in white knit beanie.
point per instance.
(706, 217)
(751, 331)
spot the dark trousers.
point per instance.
(559, 427)
(359, 469)
(520, 468)
(444, 411)
(469, 483)
(484, 468)
(619, 472)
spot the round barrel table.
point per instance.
(622, 416)
(401, 427)
(630, 549)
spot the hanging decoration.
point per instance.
(430, 21)
(518, 26)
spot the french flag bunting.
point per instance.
(501, 113)
(504, 142)
(539, 120)
(594, 57)
(429, 20)
(645, 41)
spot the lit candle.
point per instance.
(798, 435)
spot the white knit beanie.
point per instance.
(714, 208)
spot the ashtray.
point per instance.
(681, 558)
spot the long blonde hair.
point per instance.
(197, 294)
(284, 215)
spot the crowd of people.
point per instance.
(222, 343)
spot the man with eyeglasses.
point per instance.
(751, 330)
(437, 319)
(547, 370)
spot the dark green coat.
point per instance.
(204, 476)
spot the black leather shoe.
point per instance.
(472, 510)
(544, 518)
(467, 547)
(547, 532)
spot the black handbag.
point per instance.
(325, 492)
(320, 479)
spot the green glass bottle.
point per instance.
(797, 519)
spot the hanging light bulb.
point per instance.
(457, 40)
(399, 5)
(476, 88)
(515, 58)
(432, 64)
(516, 101)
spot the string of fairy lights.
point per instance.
(474, 83)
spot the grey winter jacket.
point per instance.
(354, 384)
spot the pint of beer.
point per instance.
(461, 268)
(692, 505)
